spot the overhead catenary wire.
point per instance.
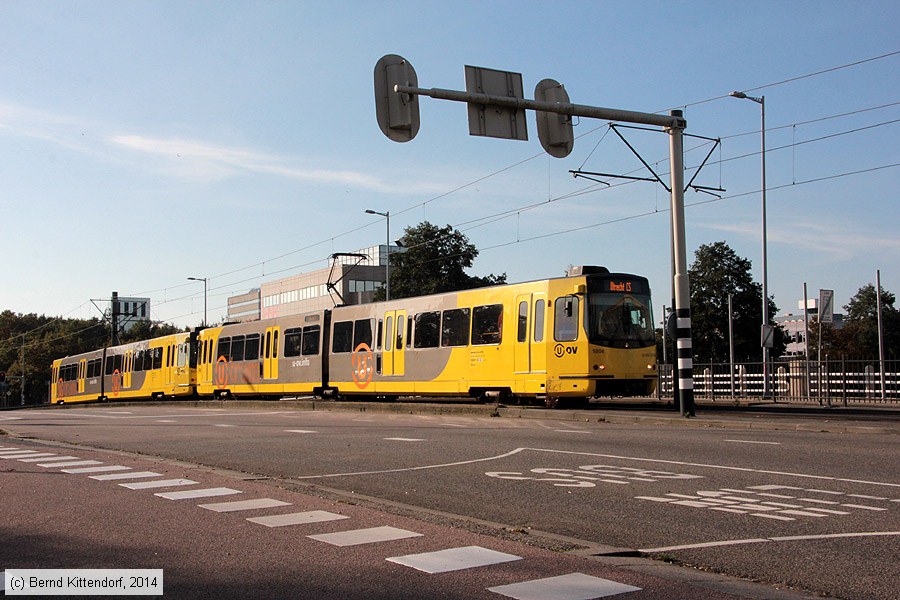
(573, 194)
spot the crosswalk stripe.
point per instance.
(192, 494)
(574, 586)
(104, 469)
(149, 485)
(131, 475)
(70, 463)
(244, 505)
(453, 559)
(356, 537)
(301, 518)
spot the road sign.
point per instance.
(397, 114)
(826, 306)
(554, 130)
(492, 120)
(768, 336)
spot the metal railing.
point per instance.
(827, 383)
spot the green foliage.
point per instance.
(48, 338)
(434, 261)
(45, 339)
(859, 336)
(718, 271)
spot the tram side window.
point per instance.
(153, 360)
(522, 333)
(566, 319)
(251, 350)
(428, 330)
(311, 340)
(455, 327)
(487, 324)
(539, 321)
(292, 342)
(400, 326)
(182, 355)
(224, 349)
(237, 348)
(362, 333)
(138, 361)
(342, 340)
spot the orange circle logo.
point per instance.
(222, 372)
(117, 382)
(363, 366)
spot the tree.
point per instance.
(718, 271)
(434, 261)
(859, 336)
(146, 330)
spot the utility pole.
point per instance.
(22, 379)
(114, 339)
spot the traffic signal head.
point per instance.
(397, 113)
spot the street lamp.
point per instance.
(387, 268)
(204, 280)
(765, 283)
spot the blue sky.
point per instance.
(142, 143)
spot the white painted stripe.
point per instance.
(403, 439)
(769, 487)
(192, 494)
(708, 545)
(817, 501)
(732, 510)
(866, 497)
(788, 538)
(42, 456)
(783, 497)
(683, 323)
(572, 431)
(829, 511)
(801, 513)
(685, 363)
(686, 384)
(574, 586)
(132, 475)
(776, 517)
(453, 559)
(863, 507)
(654, 498)
(19, 454)
(301, 518)
(783, 505)
(150, 485)
(244, 505)
(453, 425)
(357, 537)
(105, 469)
(754, 442)
(71, 463)
(33, 459)
(827, 492)
(300, 431)
(684, 344)
(165, 421)
(223, 425)
(705, 466)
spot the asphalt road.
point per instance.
(759, 498)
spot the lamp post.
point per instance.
(387, 267)
(204, 280)
(765, 283)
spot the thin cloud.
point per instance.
(184, 158)
(838, 242)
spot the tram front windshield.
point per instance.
(620, 320)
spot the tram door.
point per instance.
(270, 353)
(523, 340)
(82, 370)
(127, 369)
(393, 358)
(537, 333)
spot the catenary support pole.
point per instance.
(685, 356)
